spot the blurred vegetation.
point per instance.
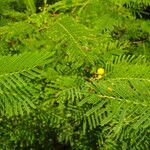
(52, 96)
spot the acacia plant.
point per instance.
(74, 74)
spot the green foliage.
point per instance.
(30, 5)
(15, 92)
(50, 94)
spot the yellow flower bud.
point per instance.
(100, 71)
(99, 77)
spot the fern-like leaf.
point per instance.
(14, 89)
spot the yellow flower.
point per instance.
(99, 77)
(100, 71)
